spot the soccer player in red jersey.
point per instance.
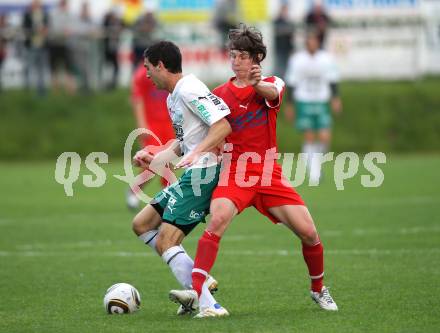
(150, 110)
(254, 102)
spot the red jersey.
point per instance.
(154, 100)
(252, 118)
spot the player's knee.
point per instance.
(163, 243)
(139, 225)
(309, 236)
(218, 223)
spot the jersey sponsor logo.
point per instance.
(203, 113)
(196, 215)
(249, 119)
(216, 101)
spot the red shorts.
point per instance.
(272, 190)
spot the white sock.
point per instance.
(309, 149)
(321, 147)
(315, 166)
(181, 265)
(206, 300)
(149, 238)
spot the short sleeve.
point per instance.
(208, 107)
(332, 72)
(279, 85)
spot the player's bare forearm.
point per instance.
(289, 110)
(170, 153)
(216, 135)
(336, 104)
(266, 90)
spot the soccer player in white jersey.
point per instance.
(198, 118)
(312, 79)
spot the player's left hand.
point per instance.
(188, 160)
(255, 75)
(336, 104)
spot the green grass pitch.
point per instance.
(58, 255)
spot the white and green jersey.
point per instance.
(193, 109)
(311, 75)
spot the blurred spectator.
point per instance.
(112, 29)
(86, 49)
(312, 79)
(144, 31)
(284, 31)
(226, 17)
(3, 41)
(61, 62)
(35, 25)
(318, 19)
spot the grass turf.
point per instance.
(58, 255)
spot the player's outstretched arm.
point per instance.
(143, 158)
(216, 134)
(267, 90)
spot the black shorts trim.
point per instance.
(185, 228)
(157, 207)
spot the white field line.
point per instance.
(414, 200)
(363, 232)
(107, 242)
(390, 201)
(228, 238)
(283, 253)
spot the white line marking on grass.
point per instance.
(120, 215)
(383, 202)
(107, 242)
(283, 253)
(363, 232)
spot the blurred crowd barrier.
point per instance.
(96, 47)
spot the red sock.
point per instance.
(167, 177)
(205, 257)
(164, 182)
(314, 258)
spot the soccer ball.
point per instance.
(122, 298)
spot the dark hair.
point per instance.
(248, 39)
(168, 53)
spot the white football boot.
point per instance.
(213, 311)
(212, 284)
(324, 299)
(213, 288)
(187, 298)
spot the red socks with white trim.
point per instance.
(205, 258)
(314, 258)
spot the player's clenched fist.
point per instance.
(255, 75)
(142, 159)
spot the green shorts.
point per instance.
(185, 203)
(312, 116)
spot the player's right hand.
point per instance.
(142, 159)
